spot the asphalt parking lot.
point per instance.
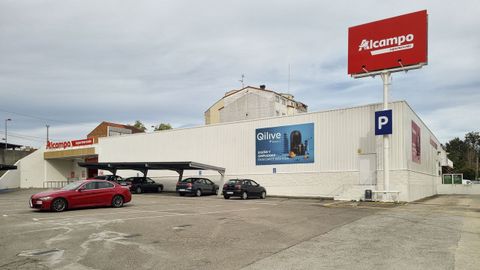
(163, 231)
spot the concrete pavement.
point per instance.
(439, 233)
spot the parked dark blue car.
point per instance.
(196, 186)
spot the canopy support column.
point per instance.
(222, 182)
(180, 175)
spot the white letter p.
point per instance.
(382, 121)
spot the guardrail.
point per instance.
(56, 184)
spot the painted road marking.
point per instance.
(161, 216)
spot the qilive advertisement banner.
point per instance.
(390, 43)
(416, 143)
(285, 144)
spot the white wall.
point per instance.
(35, 170)
(256, 103)
(458, 189)
(11, 179)
(340, 137)
(423, 176)
(32, 169)
(58, 169)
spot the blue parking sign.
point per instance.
(383, 122)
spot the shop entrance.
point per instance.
(92, 172)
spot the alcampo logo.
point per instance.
(57, 145)
(378, 46)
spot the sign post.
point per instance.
(381, 48)
(386, 77)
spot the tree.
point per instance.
(465, 154)
(456, 150)
(140, 125)
(473, 141)
(163, 126)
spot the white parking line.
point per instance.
(161, 216)
(123, 212)
(20, 209)
(134, 218)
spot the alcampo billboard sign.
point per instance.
(390, 43)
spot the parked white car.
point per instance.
(466, 182)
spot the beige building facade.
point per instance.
(252, 103)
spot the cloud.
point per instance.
(81, 62)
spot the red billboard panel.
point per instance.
(389, 43)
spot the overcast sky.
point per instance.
(73, 64)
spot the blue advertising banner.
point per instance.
(285, 144)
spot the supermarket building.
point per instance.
(332, 154)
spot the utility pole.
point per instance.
(6, 141)
(477, 152)
(476, 172)
(48, 138)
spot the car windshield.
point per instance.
(188, 180)
(73, 185)
(233, 181)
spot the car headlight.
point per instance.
(45, 198)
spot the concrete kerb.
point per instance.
(7, 190)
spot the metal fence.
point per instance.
(57, 184)
(453, 178)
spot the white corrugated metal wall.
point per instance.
(423, 176)
(340, 136)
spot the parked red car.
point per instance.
(84, 193)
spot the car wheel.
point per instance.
(198, 193)
(244, 195)
(264, 195)
(226, 197)
(58, 205)
(138, 190)
(117, 201)
(160, 189)
(181, 194)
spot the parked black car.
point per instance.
(109, 177)
(143, 184)
(197, 186)
(114, 178)
(244, 188)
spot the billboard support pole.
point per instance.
(386, 78)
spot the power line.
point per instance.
(25, 138)
(43, 119)
(30, 136)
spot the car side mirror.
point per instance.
(80, 189)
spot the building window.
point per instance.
(284, 114)
(284, 102)
(277, 99)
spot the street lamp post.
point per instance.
(6, 141)
(6, 120)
